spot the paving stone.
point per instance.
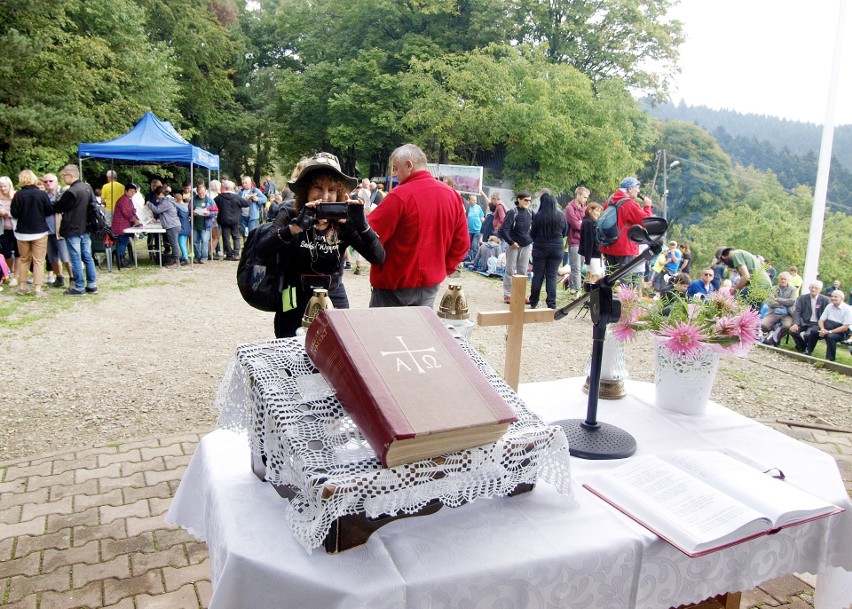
(139, 444)
(16, 472)
(135, 526)
(184, 597)
(134, 480)
(90, 462)
(28, 603)
(196, 551)
(181, 461)
(90, 487)
(64, 479)
(63, 506)
(117, 589)
(757, 598)
(785, 587)
(89, 595)
(106, 449)
(27, 566)
(205, 593)
(115, 530)
(172, 557)
(146, 492)
(160, 451)
(172, 536)
(110, 548)
(87, 553)
(137, 509)
(118, 567)
(30, 527)
(15, 486)
(9, 498)
(84, 502)
(157, 465)
(6, 549)
(89, 517)
(31, 543)
(57, 580)
(159, 506)
(110, 471)
(192, 437)
(175, 578)
(132, 456)
(152, 478)
(11, 515)
(125, 603)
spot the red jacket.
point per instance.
(629, 213)
(123, 216)
(422, 226)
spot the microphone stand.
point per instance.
(589, 438)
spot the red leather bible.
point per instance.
(405, 381)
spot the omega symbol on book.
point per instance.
(427, 360)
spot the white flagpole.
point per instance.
(821, 188)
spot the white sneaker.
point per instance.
(13, 282)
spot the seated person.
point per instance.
(781, 301)
(701, 287)
(488, 249)
(806, 314)
(833, 325)
(311, 249)
(675, 290)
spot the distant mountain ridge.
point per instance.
(759, 140)
(797, 136)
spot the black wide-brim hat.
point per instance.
(322, 160)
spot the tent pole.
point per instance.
(191, 216)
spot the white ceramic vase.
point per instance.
(684, 384)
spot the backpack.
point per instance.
(96, 222)
(260, 280)
(606, 229)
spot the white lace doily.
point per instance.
(291, 415)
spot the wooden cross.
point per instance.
(515, 318)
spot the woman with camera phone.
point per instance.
(310, 240)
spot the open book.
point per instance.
(703, 501)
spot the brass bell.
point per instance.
(318, 302)
(453, 303)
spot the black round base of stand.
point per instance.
(601, 441)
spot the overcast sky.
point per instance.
(768, 57)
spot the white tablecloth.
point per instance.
(531, 551)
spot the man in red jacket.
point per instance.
(629, 213)
(423, 228)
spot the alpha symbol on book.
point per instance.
(413, 356)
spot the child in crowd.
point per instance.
(185, 227)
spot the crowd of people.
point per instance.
(410, 246)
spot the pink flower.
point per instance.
(626, 293)
(623, 332)
(684, 339)
(744, 326)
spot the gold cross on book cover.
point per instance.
(405, 381)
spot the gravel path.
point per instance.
(144, 357)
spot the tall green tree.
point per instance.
(627, 39)
(75, 71)
(701, 179)
(556, 130)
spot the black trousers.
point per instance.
(230, 235)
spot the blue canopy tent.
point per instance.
(151, 141)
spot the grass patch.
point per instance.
(842, 355)
(20, 312)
